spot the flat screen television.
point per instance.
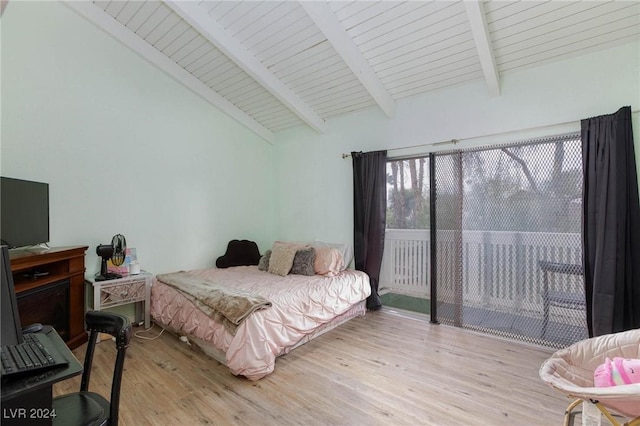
(24, 212)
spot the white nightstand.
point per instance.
(122, 291)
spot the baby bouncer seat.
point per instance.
(570, 371)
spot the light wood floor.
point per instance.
(385, 368)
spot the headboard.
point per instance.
(239, 253)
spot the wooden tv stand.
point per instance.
(50, 289)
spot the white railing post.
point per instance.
(500, 269)
(405, 262)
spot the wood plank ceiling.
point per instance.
(273, 65)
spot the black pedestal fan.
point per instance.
(114, 251)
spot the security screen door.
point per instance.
(507, 246)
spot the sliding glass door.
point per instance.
(404, 280)
(507, 246)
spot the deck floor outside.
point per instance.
(556, 333)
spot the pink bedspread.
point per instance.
(300, 305)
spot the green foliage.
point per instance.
(531, 188)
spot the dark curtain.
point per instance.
(369, 216)
(611, 224)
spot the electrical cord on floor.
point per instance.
(139, 336)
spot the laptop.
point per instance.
(21, 353)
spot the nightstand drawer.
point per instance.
(122, 291)
(115, 295)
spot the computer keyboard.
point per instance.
(34, 354)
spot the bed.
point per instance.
(298, 309)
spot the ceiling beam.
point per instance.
(481, 36)
(197, 17)
(321, 13)
(121, 33)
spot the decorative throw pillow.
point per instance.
(263, 265)
(303, 262)
(617, 371)
(328, 261)
(239, 253)
(281, 259)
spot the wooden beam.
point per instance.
(197, 17)
(321, 13)
(131, 40)
(481, 36)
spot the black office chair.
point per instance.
(90, 408)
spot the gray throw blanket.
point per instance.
(225, 305)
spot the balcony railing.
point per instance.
(498, 269)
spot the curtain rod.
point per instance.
(455, 141)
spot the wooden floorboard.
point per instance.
(386, 368)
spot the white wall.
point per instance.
(124, 148)
(128, 150)
(314, 182)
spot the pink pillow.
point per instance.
(617, 371)
(328, 261)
